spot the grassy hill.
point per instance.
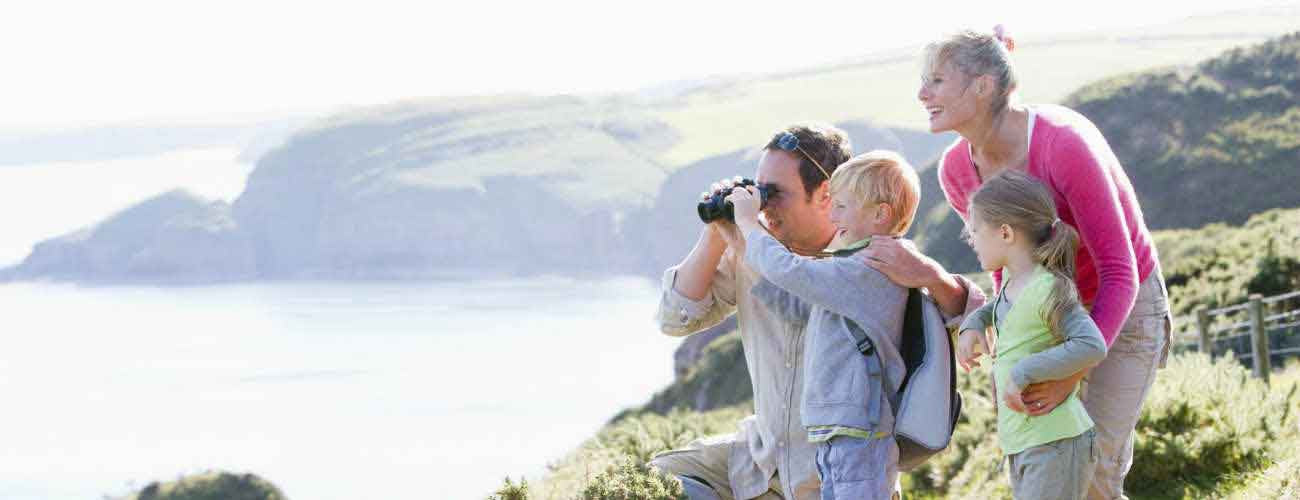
(1207, 430)
(1218, 264)
(1213, 145)
(600, 185)
(882, 86)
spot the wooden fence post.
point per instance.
(1203, 325)
(1259, 337)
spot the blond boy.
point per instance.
(846, 405)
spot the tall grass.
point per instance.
(1208, 429)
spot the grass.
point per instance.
(1208, 429)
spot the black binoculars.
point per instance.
(717, 207)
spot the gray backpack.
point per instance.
(927, 405)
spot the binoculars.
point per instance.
(717, 207)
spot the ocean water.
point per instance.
(329, 390)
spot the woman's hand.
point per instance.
(905, 265)
(971, 344)
(1013, 396)
(1043, 397)
(902, 262)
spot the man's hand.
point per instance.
(971, 344)
(729, 233)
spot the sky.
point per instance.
(77, 64)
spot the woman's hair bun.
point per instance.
(1000, 32)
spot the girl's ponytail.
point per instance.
(1018, 200)
(1055, 252)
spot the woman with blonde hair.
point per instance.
(968, 86)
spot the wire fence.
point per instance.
(1262, 331)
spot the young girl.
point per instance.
(1042, 333)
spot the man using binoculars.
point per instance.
(769, 456)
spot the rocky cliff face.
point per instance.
(459, 188)
(515, 187)
(175, 237)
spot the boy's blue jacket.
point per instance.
(841, 386)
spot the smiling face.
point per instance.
(948, 96)
(854, 222)
(791, 216)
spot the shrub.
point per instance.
(1204, 423)
(633, 481)
(617, 454)
(212, 486)
(512, 491)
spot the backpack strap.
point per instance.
(912, 349)
(860, 337)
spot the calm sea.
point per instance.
(329, 390)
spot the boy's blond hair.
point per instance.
(880, 176)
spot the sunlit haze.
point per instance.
(71, 64)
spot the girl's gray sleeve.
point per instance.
(791, 308)
(979, 320)
(1083, 348)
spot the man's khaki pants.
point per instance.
(706, 459)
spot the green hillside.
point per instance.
(1208, 429)
(1218, 264)
(1211, 266)
(882, 86)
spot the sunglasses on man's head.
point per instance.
(790, 142)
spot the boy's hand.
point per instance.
(722, 227)
(971, 344)
(745, 206)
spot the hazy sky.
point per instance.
(79, 63)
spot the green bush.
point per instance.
(1204, 423)
(1207, 429)
(1278, 274)
(617, 454)
(633, 481)
(211, 486)
(1280, 481)
(1219, 265)
(512, 491)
